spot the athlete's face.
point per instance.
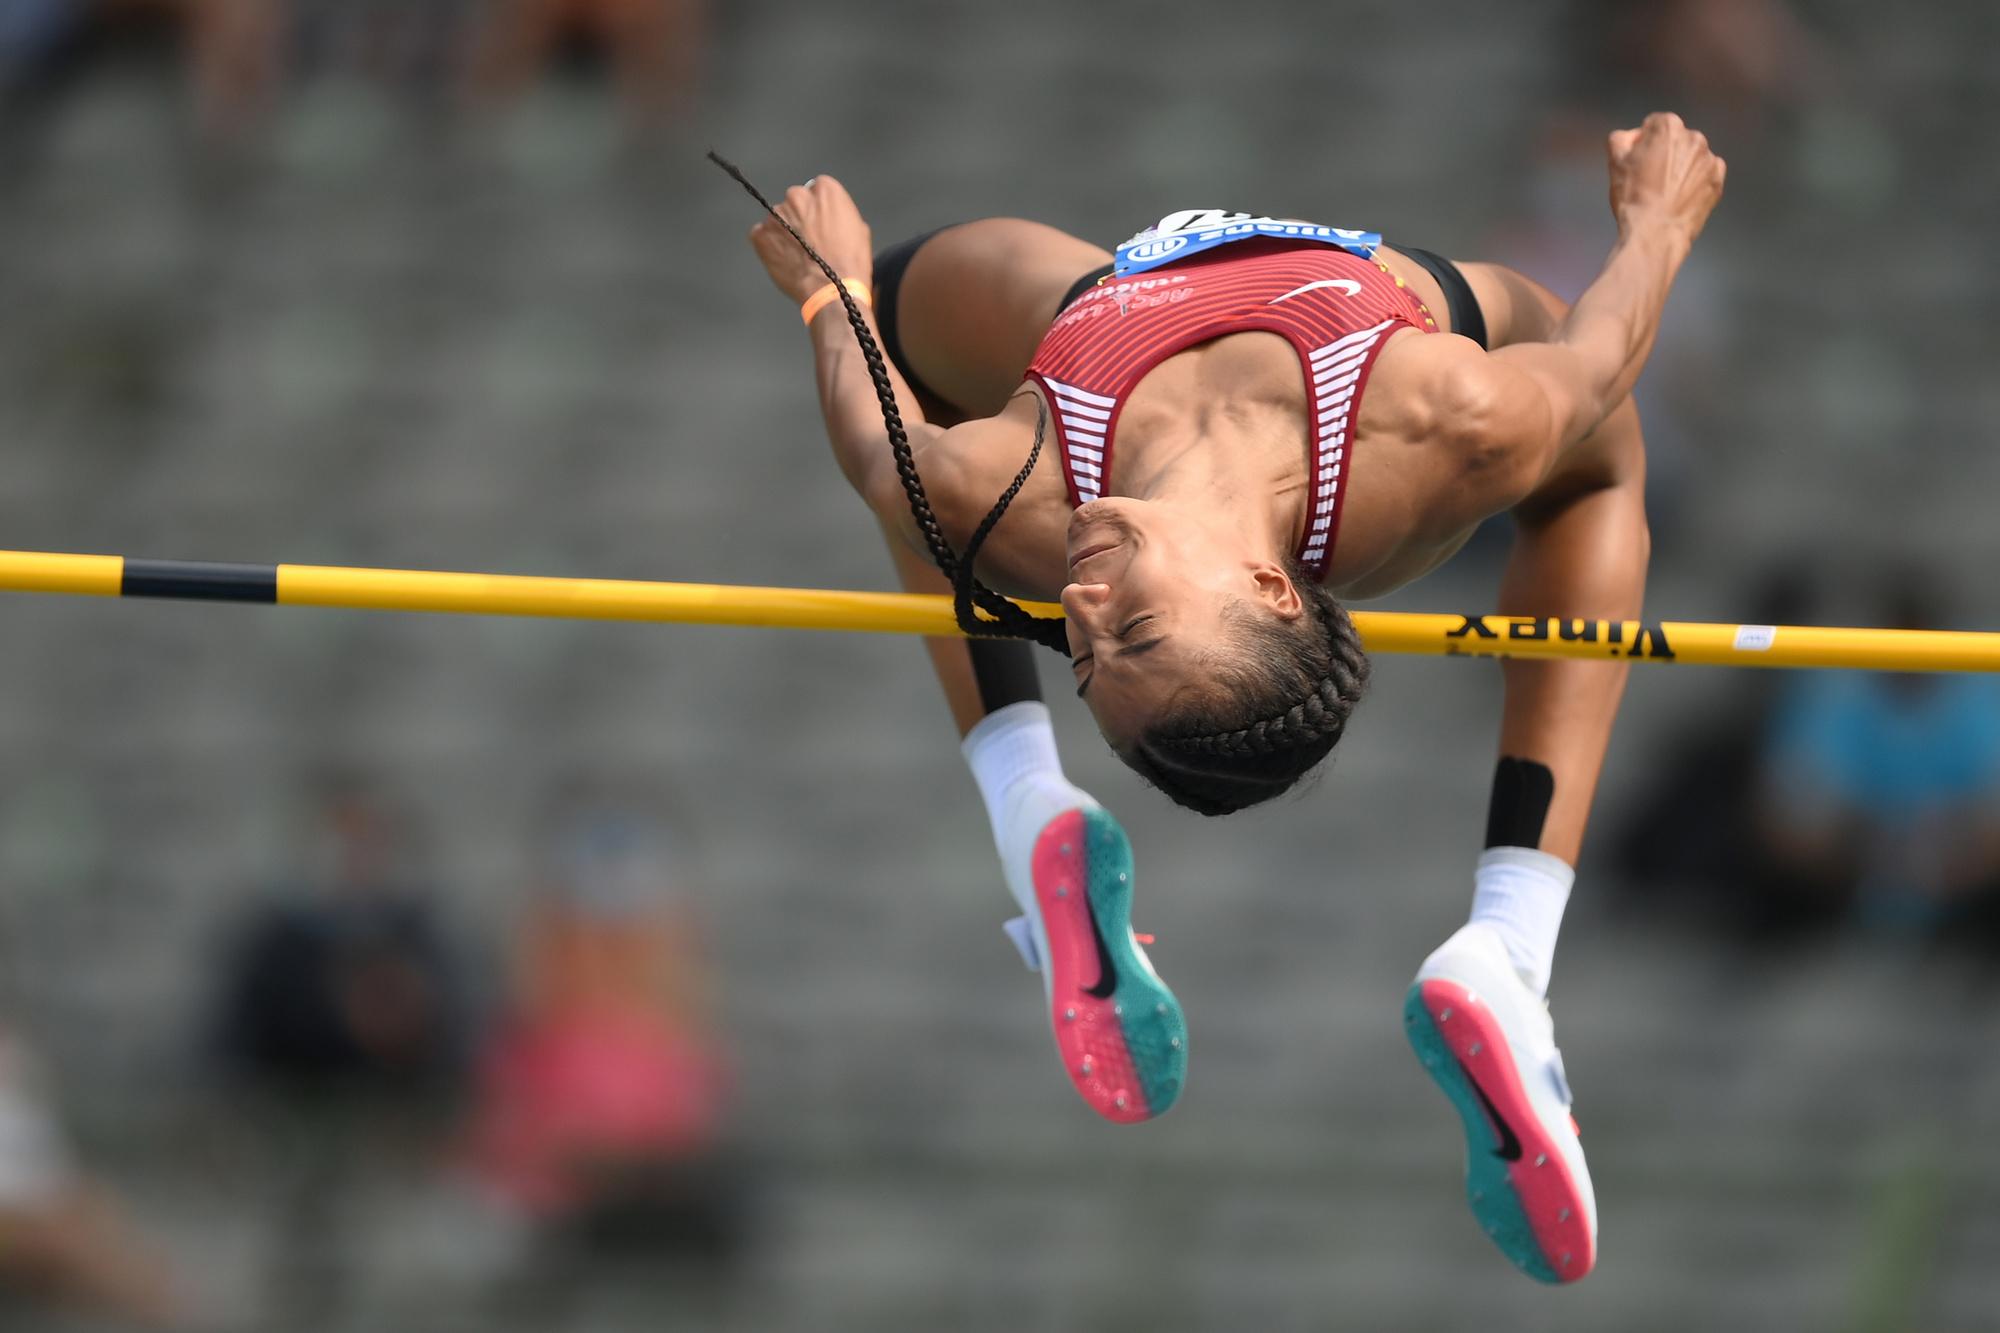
(1153, 595)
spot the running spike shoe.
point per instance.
(1118, 1028)
(1488, 1041)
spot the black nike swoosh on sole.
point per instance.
(1510, 1147)
(1107, 975)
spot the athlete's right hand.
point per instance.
(825, 215)
(1663, 174)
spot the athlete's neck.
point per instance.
(1250, 466)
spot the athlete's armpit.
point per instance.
(957, 471)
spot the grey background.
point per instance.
(521, 346)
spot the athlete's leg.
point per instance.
(1517, 309)
(975, 300)
(1490, 303)
(980, 676)
(1475, 1014)
(1581, 551)
(1064, 857)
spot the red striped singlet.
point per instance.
(1335, 308)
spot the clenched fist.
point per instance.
(825, 215)
(1663, 174)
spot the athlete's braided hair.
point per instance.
(1286, 703)
(1007, 619)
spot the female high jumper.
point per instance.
(1196, 445)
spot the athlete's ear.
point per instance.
(1275, 590)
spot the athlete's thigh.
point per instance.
(976, 301)
(1517, 308)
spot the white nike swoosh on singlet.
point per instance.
(1347, 285)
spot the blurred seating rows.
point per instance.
(360, 329)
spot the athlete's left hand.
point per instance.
(825, 215)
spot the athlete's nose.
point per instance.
(1084, 602)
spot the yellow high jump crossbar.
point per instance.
(910, 613)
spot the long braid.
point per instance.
(1008, 620)
(1048, 633)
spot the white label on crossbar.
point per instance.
(1755, 638)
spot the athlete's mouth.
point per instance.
(1093, 549)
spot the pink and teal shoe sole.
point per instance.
(1119, 1029)
(1516, 1180)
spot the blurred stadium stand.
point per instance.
(364, 332)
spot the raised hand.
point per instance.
(1664, 174)
(826, 216)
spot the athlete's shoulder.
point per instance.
(1469, 418)
(975, 454)
(1428, 387)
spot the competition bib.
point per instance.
(1190, 231)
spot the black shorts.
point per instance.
(1461, 307)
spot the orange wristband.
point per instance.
(830, 293)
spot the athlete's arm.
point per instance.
(1664, 183)
(825, 214)
(1581, 542)
(1509, 417)
(1580, 550)
(991, 687)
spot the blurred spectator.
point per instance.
(1729, 65)
(234, 49)
(238, 50)
(1825, 797)
(1697, 845)
(62, 1237)
(348, 981)
(602, 1098)
(240, 54)
(343, 1009)
(1892, 779)
(415, 46)
(654, 48)
(33, 36)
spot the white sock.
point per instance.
(1520, 893)
(1012, 754)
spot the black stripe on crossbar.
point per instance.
(200, 580)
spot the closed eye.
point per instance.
(1128, 650)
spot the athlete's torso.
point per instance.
(1325, 295)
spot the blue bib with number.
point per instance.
(1190, 231)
